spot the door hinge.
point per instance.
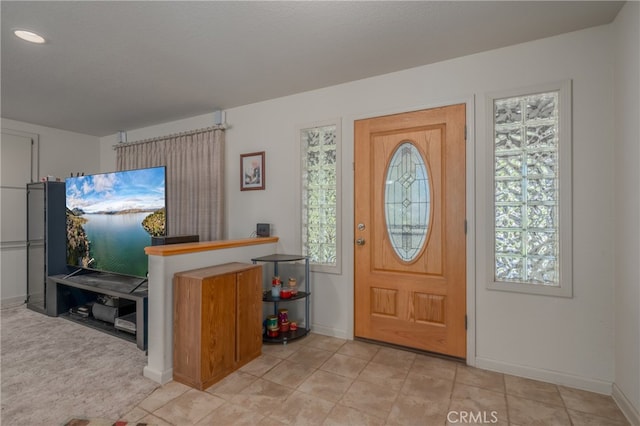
(465, 227)
(465, 132)
(466, 322)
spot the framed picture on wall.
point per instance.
(252, 171)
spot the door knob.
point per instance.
(360, 241)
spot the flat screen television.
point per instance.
(111, 218)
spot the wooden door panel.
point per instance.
(428, 141)
(428, 308)
(418, 303)
(218, 326)
(249, 309)
(187, 310)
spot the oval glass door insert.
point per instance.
(407, 201)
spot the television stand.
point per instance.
(68, 295)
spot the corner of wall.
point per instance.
(627, 408)
(626, 386)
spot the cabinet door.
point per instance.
(249, 308)
(187, 303)
(36, 279)
(218, 327)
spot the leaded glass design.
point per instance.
(407, 201)
(526, 189)
(319, 194)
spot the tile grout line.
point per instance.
(506, 399)
(404, 381)
(453, 386)
(564, 404)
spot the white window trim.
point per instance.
(565, 198)
(337, 122)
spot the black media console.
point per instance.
(69, 296)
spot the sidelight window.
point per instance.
(531, 187)
(320, 195)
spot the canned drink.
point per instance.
(272, 321)
(283, 315)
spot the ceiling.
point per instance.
(110, 66)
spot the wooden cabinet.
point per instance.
(217, 322)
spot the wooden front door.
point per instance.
(410, 253)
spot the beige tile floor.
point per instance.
(320, 380)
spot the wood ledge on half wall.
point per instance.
(184, 248)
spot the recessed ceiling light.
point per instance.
(29, 36)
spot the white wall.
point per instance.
(627, 210)
(567, 341)
(60, 153)
(564, 340)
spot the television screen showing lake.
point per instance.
(111, 218)
(121, 251)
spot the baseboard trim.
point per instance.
(11, 302)
(627, 408)
(161, 377)
(549, 376)
(328, 331)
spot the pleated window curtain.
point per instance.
(195, 178)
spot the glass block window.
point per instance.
(320, 196)
(531, 190)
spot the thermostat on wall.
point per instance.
(263, 230)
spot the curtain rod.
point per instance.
(171, 136)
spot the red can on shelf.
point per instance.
(285, 293)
